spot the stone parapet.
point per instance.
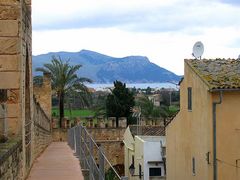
(42, 130)
(11, 160)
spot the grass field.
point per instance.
(75, 113)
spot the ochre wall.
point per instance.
(190, 134)
(228, 136)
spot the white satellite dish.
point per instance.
(198, 50)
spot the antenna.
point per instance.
(198, 50)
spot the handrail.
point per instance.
(102, 152)
(86, 148)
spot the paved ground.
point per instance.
(56, 163)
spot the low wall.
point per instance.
(11, 160)
(59, 135)
(114, 151)
(42, 130)
(111, 140)
(107, 133)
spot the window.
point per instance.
(155, 172)
(193, 166)
(133, 160)
(3, 95)
(140, 171)
(189, 98)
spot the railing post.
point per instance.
(101, 164)
(90, 158)
(84, 148)
(74, 138)
(80, 143)
(77, 142)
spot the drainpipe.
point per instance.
(215, 136)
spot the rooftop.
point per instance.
(217, 73)
(153, 138)
(147, 130)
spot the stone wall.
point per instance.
(23, 118)
(59, 135)
(111, 140)
(100, 134)
(43, 94)
(114, 151)
(11, 62)
(42, 130)
(11, 160)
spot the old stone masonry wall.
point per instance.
(42, 130)
(25, 129)
(11, 162)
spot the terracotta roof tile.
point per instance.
(218, 73)
(148, 130)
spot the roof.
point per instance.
(147, 130)
(218, 74)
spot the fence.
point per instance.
(91, 155)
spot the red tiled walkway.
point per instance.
(56, 163)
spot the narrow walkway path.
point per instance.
(56, 163)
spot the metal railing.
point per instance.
(91, 155)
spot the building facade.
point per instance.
(203, 139)
(145, 154)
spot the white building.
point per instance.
(145, 153)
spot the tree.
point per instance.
(64, 80)
(150, 111)
(146, 105)
(148, 91)
(119, 102)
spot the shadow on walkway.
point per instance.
(56, 163)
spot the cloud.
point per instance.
(166, 49)
(231, 2)
(164, 31)
(139, 15)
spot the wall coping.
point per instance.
(120, 128)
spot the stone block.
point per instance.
(9, 12)
(13, 110)
(13, 126)
(9, 80)
(9, 27)
(9, 45)
(28, 2)
(9, 63)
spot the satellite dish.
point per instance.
(198, 50)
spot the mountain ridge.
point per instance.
(102, 68)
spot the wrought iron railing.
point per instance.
(91, 155)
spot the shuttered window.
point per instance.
(189, 98)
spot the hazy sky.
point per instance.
(162, 30)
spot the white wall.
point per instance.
(145, 149)
(152, 153)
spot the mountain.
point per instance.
(106, 69)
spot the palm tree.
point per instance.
(146, 105)
(64, 80)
